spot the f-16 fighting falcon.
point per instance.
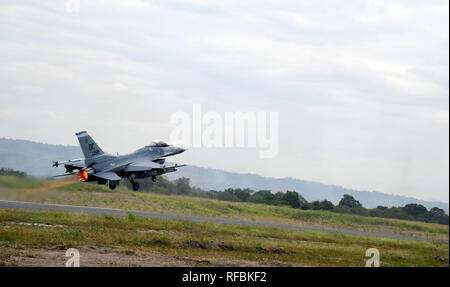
(103, 168)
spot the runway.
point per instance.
(109, 211)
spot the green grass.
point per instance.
(87, 187)
(21, 182)
(96, 195)
(218, 241)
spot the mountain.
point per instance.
(208, 179)
(36, 159)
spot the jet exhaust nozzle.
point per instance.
(83, 174)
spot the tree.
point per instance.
(437, 212)
(381, 207)
(438, 215)
(183, 186)
(279, 199)
(228, 195)
(302, 200)
(262, 196)
(348, 201)
(315, 205)
(292, 198)
(243, 194)
(305, 206)
(326, 205)
(415, 210)
(12, 172)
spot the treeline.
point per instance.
(410, 211)
(12, 172)
(348, 204)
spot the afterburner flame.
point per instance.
(82, 175)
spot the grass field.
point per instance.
(160, 242)
(139, 241)
(75, 193)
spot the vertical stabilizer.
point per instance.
(88, 146)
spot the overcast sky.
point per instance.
(361, 87)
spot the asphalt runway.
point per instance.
(109, 211)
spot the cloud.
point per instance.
(361, 87)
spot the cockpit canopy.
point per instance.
(158, 143)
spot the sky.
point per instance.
(361, 87)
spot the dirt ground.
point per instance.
(92, 256)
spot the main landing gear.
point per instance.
(134, 184)
(113, 184)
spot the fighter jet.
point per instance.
(104, 168)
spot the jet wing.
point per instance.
(109, 175)
(142, 166)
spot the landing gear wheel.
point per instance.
(113, 184)
(153, 178)
(135, 186)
